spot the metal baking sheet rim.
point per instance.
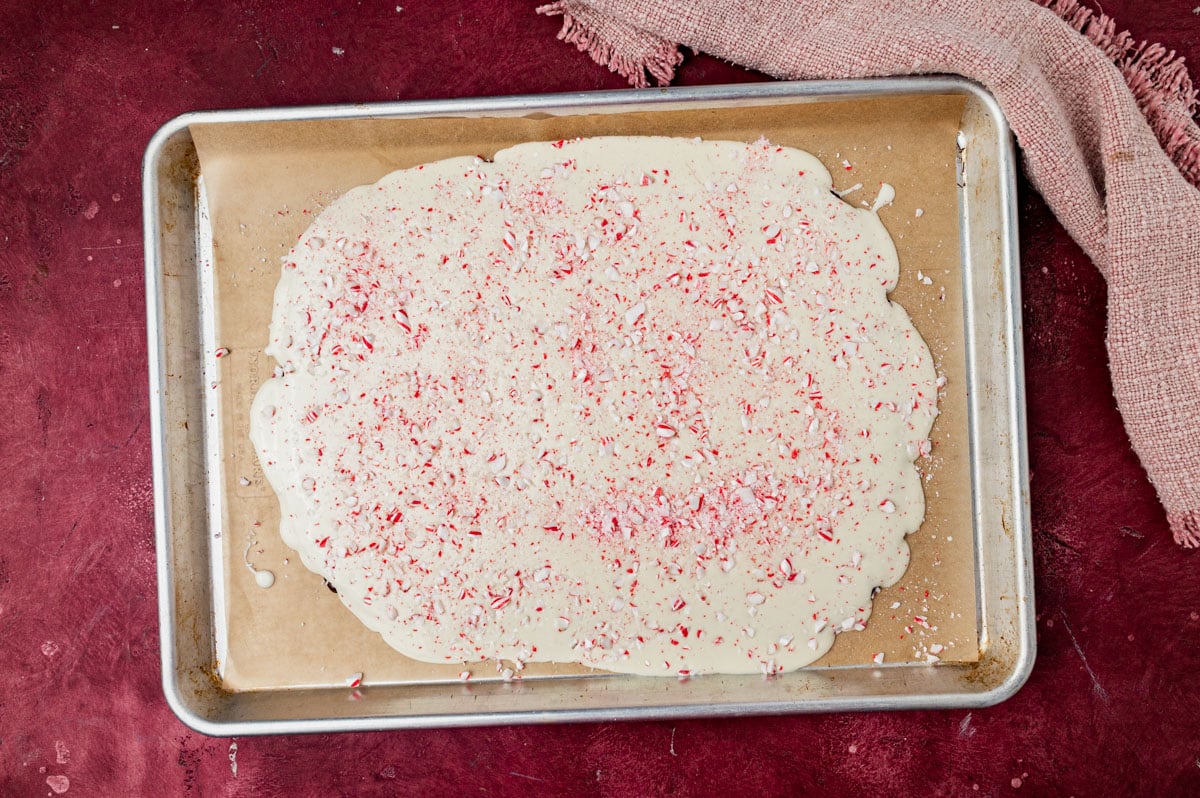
(1001, 516)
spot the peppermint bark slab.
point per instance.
(638, 403)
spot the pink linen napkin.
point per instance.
(1105, 125)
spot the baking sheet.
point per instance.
(265, 183)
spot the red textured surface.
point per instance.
(1112, 707)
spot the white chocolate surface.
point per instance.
(636, 403)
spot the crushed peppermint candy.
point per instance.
(600, 401)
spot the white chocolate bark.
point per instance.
(637, 403)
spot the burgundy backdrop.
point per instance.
(1112, 707)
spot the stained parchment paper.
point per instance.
(266, 182)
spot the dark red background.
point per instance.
(1112, 707)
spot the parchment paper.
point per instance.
(266, 182)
